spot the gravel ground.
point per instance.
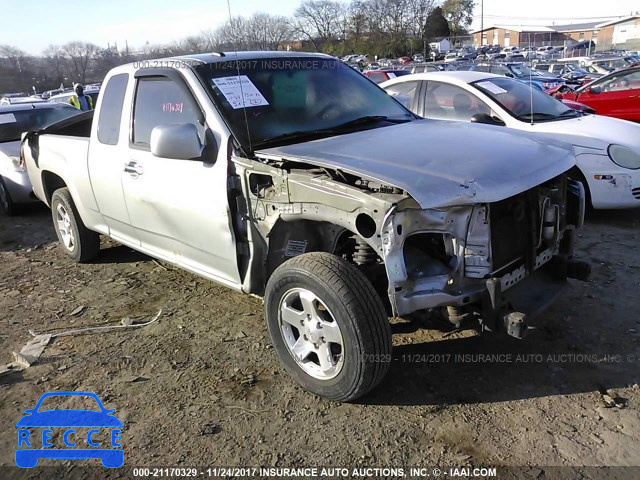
(203, 387)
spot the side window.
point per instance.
(482, 68)
(159, 101)
(449, 102)
(111, 109)
(404, 92)
(623, 82)
(500, 70)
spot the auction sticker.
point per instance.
(240, 91)
(492, 87)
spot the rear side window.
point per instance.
(404, 92)
(111, 109)
(159, 101)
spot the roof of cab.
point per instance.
(452, 77)
(217, 57)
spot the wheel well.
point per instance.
(290, 239)
(50, 183)
(577, 174)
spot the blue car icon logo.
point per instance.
(70, 426)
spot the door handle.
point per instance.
(133, 168)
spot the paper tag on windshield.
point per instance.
(7, 118)
(240, 91)
(492, 87)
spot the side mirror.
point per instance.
(594, 90)
(486, 119)
(180, 142)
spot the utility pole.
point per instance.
(482, 23)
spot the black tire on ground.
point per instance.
(344, 296)
(85, 244)
(7, 207)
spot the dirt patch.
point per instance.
(203, 386)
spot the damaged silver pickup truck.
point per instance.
(292, 177)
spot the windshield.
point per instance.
(286, 98)
(570, 67)
(523, 71)
(14, 124)
(522, 101)
(612, 64)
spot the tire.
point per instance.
(79, 243)
(349, 327)
(7, 207)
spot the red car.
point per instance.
(379, 76)
(578, 107)
(614, 95)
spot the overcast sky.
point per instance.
(32, 25)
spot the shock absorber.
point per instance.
(363, 254)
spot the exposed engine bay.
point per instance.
(417, 259)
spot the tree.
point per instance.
(420, 11)
(436, 25)
(80, 54)
(55, 64)
(12, 66)
(259, 32)
(356, 21)
(459, 13)
(319, 20)
(267, 32)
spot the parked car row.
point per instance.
(15, 188)
(56, 95)
(607, 149)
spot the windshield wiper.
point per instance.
(314, 134)
(368, 119)
(298, 135)
(536, 115)
(569, 112)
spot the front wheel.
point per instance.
(79, 243)
(328, 326)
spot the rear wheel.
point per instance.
(328, 326)
(79, 243)
(7, 207)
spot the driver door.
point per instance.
(179, 208)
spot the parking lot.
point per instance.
(203, 386)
